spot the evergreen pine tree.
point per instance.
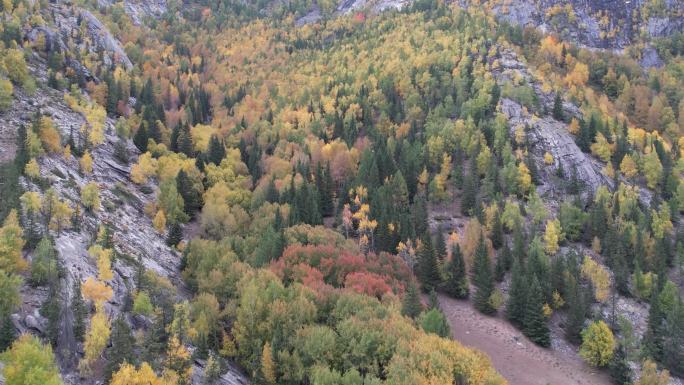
(534, 323)
(673, 339)
(653, 339)
(328, 206)
(140, 138)
(483, 279)
(419, 215)
(469, 196)
(51, 310)
(78, 307)
(456, 284)
(440, 246)
(519, 251)
(173, 140)
(192, 198)
(433, 300)
(216, 150)
(497, 236)
(185, 141)
(175, 235)
(503, 262)
(121, 151)
(411, 306)
(272, 194)
(558, 108)
(619, 369)
(517, 295)
(121, 348)
(155, 340)
(428, 271)
(7, 332)
(575, 300)
(22, 155)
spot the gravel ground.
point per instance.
(520, 361)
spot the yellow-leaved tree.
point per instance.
(86, 163)
(128, 375)
(90, 196)
(96, 339)
(96, 291)
(32, 169)
(49, 136)
(178, 359)
(524, 179)
(552, 235)
(628, 167)
(268, 369)
(602, 148)
(159, 221)
(653, 169)
(598, 344)
(651, 376)
(598, 276)
(29, 362)
(11, 244)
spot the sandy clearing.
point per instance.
(514, 356)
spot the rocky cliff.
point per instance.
(595, 23)
(135, 240)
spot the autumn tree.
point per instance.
(599, 277)
(268, 368)
(651, 376)
(128, 375)
(178, 359)
(29, 362)
(90, 196)
(49, 136)
(598, 344)
(11, 245)
(6, 93)
(652, 169)
(628, 167)
(552, 235)
(86, 163)
(16, 67)
(95, 340)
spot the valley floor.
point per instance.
(513, 355)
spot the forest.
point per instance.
(296, 174)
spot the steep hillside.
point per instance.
(596, 24)
(227, 192)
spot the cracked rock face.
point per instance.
(139, 10)
(549, 135)
(69, 22)
(587, 26)
(122, 208)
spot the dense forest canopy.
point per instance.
(295, 171)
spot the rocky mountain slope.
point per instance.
(135, 240)
(124, 203)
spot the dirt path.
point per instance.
(514, 356)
